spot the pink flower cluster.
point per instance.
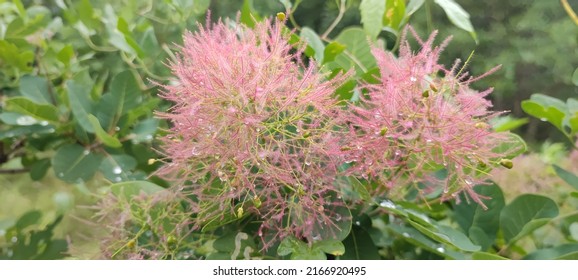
(251, 130)
(419, 118)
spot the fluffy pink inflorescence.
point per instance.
(415, 121)
(251, 130)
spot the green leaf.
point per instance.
(372, 12)
(26, 106)
(357, 53)
(26, 130)
(11, 55)
(573, 230)
(233, 243)
(575, 77)
(447, 235)
(39, 169)
(552, 253)
(248, 14)
(299, 250)
(394, 14)
(104, 137)
(144, 130)
(569, 256)
(546, 108)
(314, 42)
(122, 26)
(359, 246)
(339, 229)
(80, 103)
(511, 147)
(333, 247)
(526, 213)
(331, 51)
(418, 239)
(458, 16)
(118, 168)
(35, 88)
(28, 219)
(413, 6)
(360, 188)
(126, 93)
(487, 256)
(507, 123)
(567, 176)
(73, 162)
(480, 224)
(65, 55)
(127, 190)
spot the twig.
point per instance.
(570, 11)
(14, 171)
(336, 21)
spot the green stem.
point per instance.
(342, 10)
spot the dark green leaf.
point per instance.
(73, 162)
(359, 246)
(39, 169)
(480, 224)
(526, 213)
(28, 219)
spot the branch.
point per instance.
(570, 11)
(14, 171)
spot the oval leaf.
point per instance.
(525, 214)
(73, 162)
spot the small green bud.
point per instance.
(425, 94)
(240, 212)
(257, 202)
(281, 16)
(506, 163)
(481, 125)
(383, 131)
(171, 240)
